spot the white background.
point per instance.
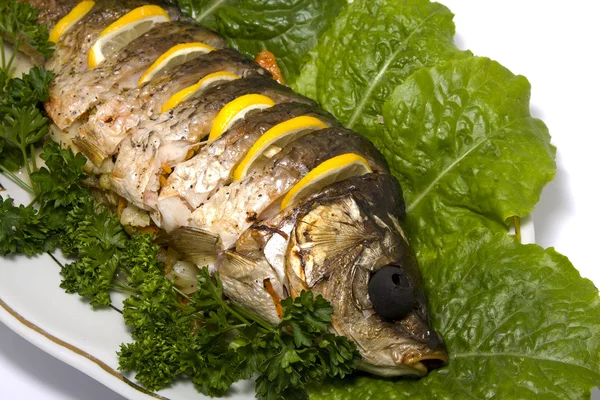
(555, 45)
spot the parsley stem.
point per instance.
(179, 292)
(16, 179)
(238, 311)
(3, 55)
(234, 313)
(33, 161)
(123, 288)
(233, 327)
(12, 57)
(25, 158)
(32, 202)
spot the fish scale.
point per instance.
(131, 108)
(197, 179)
(333, 242)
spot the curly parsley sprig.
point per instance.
(22, 119)
(19, 27)
(33, 230)
(217, 342)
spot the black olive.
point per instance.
(391, 293)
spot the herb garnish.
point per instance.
(217, 342)
(205, 336)
(19, 27)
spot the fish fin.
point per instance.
(251, 270)
(321, 247)
(195, 245)
(253, 284)
(237, 265)
(90, 148)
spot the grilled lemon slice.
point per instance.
(274, 140)
(237, 109)
(66, 22)
(197, 88)
(124, 30)
(176, 55)
(328, 172)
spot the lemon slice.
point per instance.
(176, 55)
(197, 88)
(328, 172)
(66, 22)
(275, 139)
(124, 30)
(237, 109)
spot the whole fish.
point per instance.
(344, 241)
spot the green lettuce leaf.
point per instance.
(373, 46)
(466, 150)
(287, 28)
(519, 322)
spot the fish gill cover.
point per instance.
(519, 320)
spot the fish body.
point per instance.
(344, 241)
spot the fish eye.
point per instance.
(391, 292)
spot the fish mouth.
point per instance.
(416, 365)
(427, 362)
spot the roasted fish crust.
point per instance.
(197, 179)
(51, 11)
(71, 98)
(233, 209)
(132, 108)
(168, 139)
(71, 52)
(333, 242)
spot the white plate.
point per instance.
(553, 45)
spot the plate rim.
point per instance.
(73, 355)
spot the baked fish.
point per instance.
(238, 172)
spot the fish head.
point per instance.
(349, 246)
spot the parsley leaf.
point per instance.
(19, 26)
(96, 236)
(217, 342)
(59, 182)
(32, 231)
(25, 230)
(22, 121)
(29, 89)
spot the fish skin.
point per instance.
(233, 209)
(129, 109)
(72, 97)
(213, 166)
(330, 242)
(158, 142)
(51, 11)
(71, 52)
